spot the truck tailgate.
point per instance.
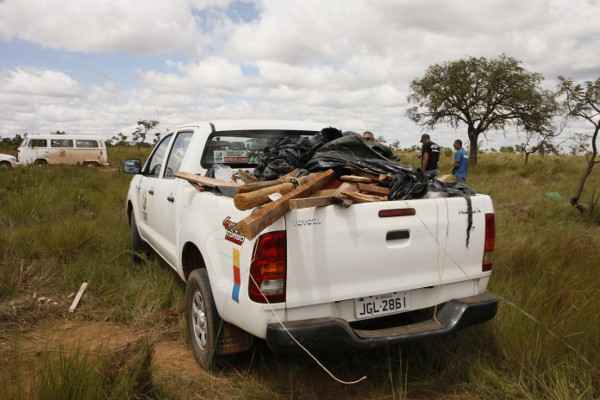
(336, 253)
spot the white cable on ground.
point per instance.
(316, 360)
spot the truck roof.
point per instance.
(252, 124)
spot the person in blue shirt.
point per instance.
(461, 162)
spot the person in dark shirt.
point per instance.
(430, 155)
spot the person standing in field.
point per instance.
(461, 162)
(430, 155)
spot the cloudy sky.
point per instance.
(97, 66)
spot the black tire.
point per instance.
(138, 246)
(40, 163)
(198, 288)
(5, 164)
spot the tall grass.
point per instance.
(63, 225)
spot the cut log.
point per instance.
(206, 181)
(325, 197)
(357, 179)
(247, 200)
(261, 218)
(373, 189)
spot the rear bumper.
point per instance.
(322, 332)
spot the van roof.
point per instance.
(67, 136)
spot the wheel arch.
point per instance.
(191, 259)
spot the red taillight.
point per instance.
(490, 241)
(268, 268)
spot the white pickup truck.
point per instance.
(367, 275)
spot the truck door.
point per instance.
(166, 199)
(147, 191)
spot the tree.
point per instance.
(156, 137)
(145, 125)
(582, 101)
(482, 94)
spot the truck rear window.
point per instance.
(240, 149)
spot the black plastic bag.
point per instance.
(350, 154)
(291, 152)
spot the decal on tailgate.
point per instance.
(235, 293)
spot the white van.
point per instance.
(63, 149)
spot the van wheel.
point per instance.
(202, 319)
(5, 164)
(40, 163)
(92, 164)
(138, 246)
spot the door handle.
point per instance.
(151, 192)
(171, 199)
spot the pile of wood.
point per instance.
(273, 199)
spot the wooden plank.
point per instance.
(245, 176)
(206, 181)
(317, 201)
(250, 187)
(78, 297)
(245, 201)
(362, 198)
(262, 217)
(357, 179)
(373, 189)
(325, 197)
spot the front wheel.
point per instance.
(203, 321)
(5, 164)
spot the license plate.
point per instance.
(377, 306)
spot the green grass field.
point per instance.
(60, 226)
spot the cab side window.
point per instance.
(156, 160)
(180, 145)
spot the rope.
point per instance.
(516, 307)
(297, 342)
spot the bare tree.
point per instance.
(582, 101)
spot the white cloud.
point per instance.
(349, 63)
(158, 26)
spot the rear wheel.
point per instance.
(40, 163)
(5, 164)
(203, 321)
(138, 246)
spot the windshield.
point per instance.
(240, 149)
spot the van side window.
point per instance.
(156, 160)
(38, 143)
(88, 144)
(61, 142)
(180, 145)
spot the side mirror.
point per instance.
(132, 167)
